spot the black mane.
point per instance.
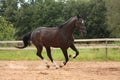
(64, 23)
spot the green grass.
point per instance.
(85, 55)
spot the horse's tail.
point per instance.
(26, 40)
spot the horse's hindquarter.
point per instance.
(46, 36)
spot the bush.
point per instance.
(7, 31)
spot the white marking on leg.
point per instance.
(61, 65)
(46, 62)
(72, 56)
(54, 63)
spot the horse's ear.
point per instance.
(79, 16)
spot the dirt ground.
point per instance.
(36, 70)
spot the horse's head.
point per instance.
(79, 23)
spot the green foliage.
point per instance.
(113, 17)
(101, 16)
(96, 16)
(7, 30)
(10, 10)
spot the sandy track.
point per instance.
(36, 70)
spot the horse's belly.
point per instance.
(55, 45)
(52, 44)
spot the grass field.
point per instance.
(85, 55)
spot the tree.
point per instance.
(7, 31)
(10, 10)
(52, 13)
(96, 16)
(113, 17)
(42, 13)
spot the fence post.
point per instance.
(106, 48)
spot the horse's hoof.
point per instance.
(47, 66)
(70, 56)
(57, 68)
(61, 66)
(64, 63)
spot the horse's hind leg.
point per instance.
(39, 51)
(50, 57)
(74, 48)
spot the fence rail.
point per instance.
(76, 40)
(97, 40)
(105, 40)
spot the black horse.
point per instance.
(58, 37)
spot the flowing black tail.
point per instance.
(26, 41)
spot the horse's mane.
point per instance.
(60, 26)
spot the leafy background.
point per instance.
(17, 17)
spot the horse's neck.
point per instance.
(68, 29)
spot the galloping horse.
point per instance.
(58, 37)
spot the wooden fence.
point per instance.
(80, 43)
(105, 42)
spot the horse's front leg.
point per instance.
(50, 57)
(75, 49)
(65, 55)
